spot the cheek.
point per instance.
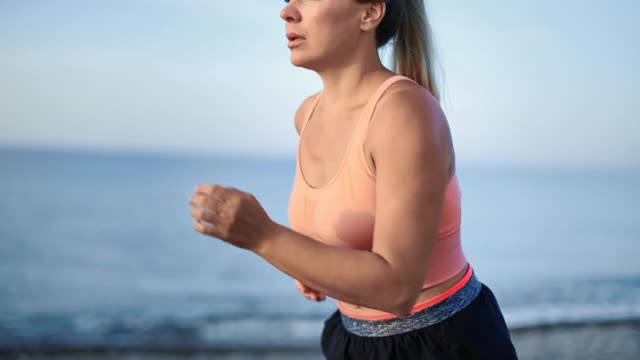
(334, 34)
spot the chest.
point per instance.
(333, 197)
(341, 212)
(334, 217)
(325, 144)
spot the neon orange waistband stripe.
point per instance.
(417, 307)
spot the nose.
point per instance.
(290, 13)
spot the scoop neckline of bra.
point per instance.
(352, 136)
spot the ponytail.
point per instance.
(405, 22)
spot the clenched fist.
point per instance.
(309, 293)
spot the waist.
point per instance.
(428, 312)
(444, 293)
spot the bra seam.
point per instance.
(308, 116)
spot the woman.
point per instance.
(375, 205)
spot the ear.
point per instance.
(373, 15)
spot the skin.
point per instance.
(340, 46)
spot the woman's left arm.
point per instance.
(409, 142)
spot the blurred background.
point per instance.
(111, 112)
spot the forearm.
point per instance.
(350, 275)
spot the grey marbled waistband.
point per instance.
(428, 316)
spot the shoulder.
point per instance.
(410, 102)
(408, 121)
(303, 111)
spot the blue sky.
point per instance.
(544, 82)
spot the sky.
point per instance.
(531, 82)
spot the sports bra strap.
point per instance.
(369, 107)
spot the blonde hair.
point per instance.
(405, 22)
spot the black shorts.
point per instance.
(478, 331)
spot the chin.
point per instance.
(299, 60)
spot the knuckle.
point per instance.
(222, 191)
(206, 216)
(197, 200)
(213, 189)
(210, 231)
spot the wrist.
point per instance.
(271, 232)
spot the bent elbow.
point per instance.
(403, 302)
(403, 309)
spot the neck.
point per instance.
(348, 82)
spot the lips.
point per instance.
(294, 43)
(295, 39)
(294, 36)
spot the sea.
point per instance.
(98, 250)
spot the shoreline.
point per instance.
(575, 325)
(603, 340)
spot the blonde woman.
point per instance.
(375, 205)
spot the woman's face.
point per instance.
(326, 30)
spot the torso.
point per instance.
(321, 154)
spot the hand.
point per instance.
(309, 293)
(233, 216)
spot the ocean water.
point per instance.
(98, 250)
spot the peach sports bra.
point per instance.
(342, 212)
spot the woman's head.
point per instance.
(329, 32)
